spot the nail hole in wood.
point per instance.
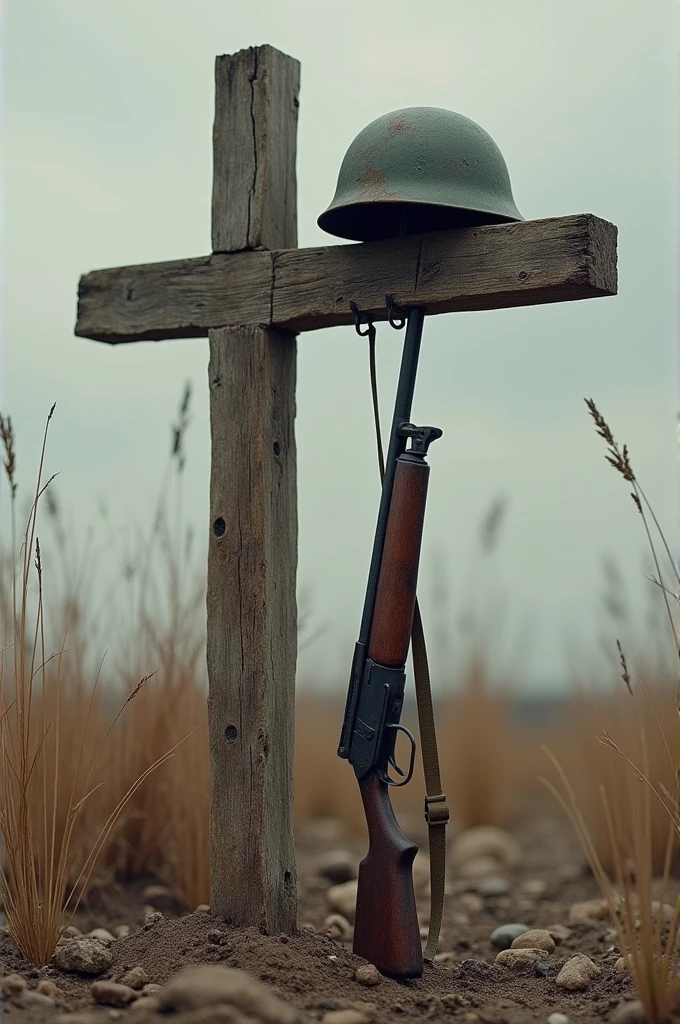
(219, 527)
(231, 732)
(277, 448)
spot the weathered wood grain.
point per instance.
(254, 156)
(252, 629)
(252, 554)
(558, 259)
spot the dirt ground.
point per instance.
(316, 972)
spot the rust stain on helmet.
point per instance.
(396, 126)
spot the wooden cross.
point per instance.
(251, 297)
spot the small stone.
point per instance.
(151, 989)
(27, 1000)
(557, 1018)
(135, 978)
(542, 968)
(337, 926)
(534, 887)
(71, 932)
(102, 934)
(629, 1013)
(49, 988)
(471, 903)
(122, 931)
(535, 938)
(559, 932)
(493, 886)
(343, 898)
(12, 984)
(577, 973)
(338, 866)
(83, 956)
(345, 1017)
(520, 959)
(504, 936)
(152, 892)
(621, 964)
(111, 993)
(216, 936)
(149, 1004)
(202, 908)
(115, 1014)
(485, 841)
(368, 975)
(209, 985)
(588, 912)
(480, 867)
(151, 919)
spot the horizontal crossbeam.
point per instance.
(520, 264)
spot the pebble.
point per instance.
(27, 1000)
(202, 908)
(12, 984)
(122, 931)
(343, 898)
(577, 973)
(480, 867)
(621, 964)
(154, 892)
(493, 886)
(83, 956)
(210, 985)
(102, 934)
(485, 841)
(337, 926)
(338, 866)
(151, 989)
(503, 937)
(71, 932)
(151, 919)
(368, 975)
(519, 959)
(49, 988)
(471, 903)
(588, 912)
(149, 1004)
(135, 978)
(534, 887)
(535, 938)
(628, 1013)
(111, 993)
(345, 1017)
(559, 932)
(557, 1018)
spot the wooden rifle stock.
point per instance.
(386, 930)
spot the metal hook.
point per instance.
(395, 315)
(359, 319)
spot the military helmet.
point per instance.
(419, 169)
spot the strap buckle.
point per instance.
(436, 810)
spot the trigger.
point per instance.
(394, 764)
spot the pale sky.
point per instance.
(107, 122)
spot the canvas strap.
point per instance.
(436, 808)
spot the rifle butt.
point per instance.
(386, 931)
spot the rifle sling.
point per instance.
(436, 808)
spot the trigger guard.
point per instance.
(384, 775)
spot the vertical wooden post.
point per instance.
(252, 561)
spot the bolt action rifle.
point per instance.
(386, 930)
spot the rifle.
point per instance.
(386, 930)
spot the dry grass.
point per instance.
(638, 774)
(49, 772)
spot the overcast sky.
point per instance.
(107, 143)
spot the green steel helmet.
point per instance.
(419, 169)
